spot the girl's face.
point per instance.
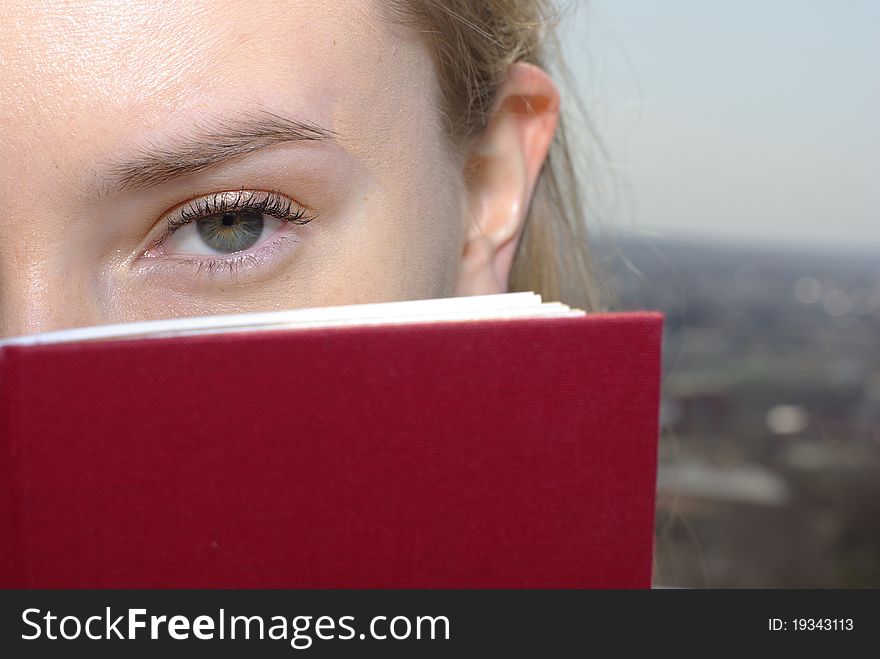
(196, 158)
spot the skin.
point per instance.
(89, 85)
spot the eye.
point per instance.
(222, 233)
(226, 223)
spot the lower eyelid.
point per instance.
(259, 259)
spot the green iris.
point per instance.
(230, 232)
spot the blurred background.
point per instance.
(732, 165)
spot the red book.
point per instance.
(494, 453)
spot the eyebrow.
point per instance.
(209, 144)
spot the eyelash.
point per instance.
(269, 203)
(265, 203)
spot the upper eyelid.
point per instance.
(220, 202)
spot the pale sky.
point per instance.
(749, 120)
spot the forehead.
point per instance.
(85, 72)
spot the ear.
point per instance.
(500, 174)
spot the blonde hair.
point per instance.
(473, 45)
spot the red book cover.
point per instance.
(494, 454)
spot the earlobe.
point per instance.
(501, 175)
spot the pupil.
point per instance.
(228, 219)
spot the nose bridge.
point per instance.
(41, 289)
(45, 277)
(49, 278)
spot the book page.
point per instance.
(469, 308)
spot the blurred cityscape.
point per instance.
(770, 446)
